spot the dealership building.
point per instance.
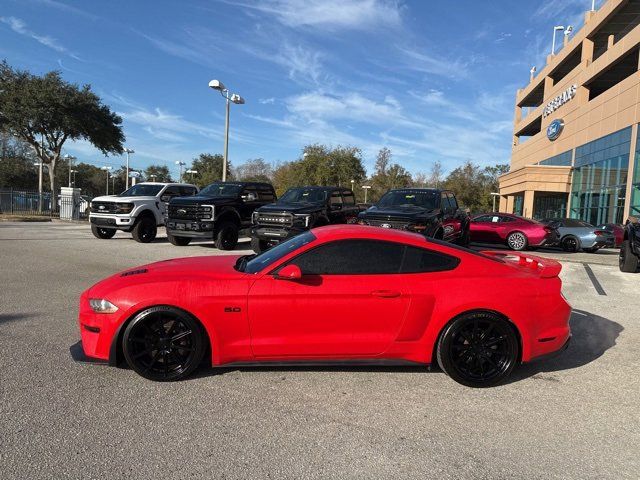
(575, 146)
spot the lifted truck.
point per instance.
(630, 249)
(140, 210)
(300, 209)
(432, 212)
(219, 213)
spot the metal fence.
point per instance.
(32, 203)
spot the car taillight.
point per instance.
(548, 229)
(600, 232)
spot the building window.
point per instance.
(562, 159)
(600, 179)
(518, 204)
(635, 186)
(549, 205)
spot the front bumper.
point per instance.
(112, 221)
(190, 228)
(97, 330)
(274, 234)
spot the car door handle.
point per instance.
(385, 293)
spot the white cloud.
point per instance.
(164, 123)
(332, 14)
(423, 62)
(20, 27)
(267, 101)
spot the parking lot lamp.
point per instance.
(69, 159)
(180, 164)
(494, 195)
(557, 28)
(106, 169)
(126, 181)
(192, 173)
(366, 189)
(229, 98)
(153, 177)
(73, 184)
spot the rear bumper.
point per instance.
(552, 354)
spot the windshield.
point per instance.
(304, 195)
(255, 263)
(142, 190)
(408, 198)
(221, 190)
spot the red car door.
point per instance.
(348, 303)
(482, 229)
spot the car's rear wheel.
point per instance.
(258, 245)
(570, 244)
(103, 233)
(179, 241)
(163, 344)
(478, 349)
(145, 230)
(628, 261)
(517, 241)
(227, 236)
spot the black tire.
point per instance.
(517, 241)
(145, 230)
(227, 236)
(102, 233)
(591, 250)
(463, 241)
(258, 245)
(164, 344)
(628, 262)
(478, 349)
(570, 244)
(179, 241)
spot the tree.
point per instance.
(388, 175)
(157, 173)
(435, 175)
(256, 170)
(46, 111)
(209, 168)
(16, 164)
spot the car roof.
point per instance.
(342, 231)
(166, 184)
(413, 189)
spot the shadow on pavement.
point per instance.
(14, 317)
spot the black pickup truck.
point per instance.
(300, 209)
(219, 212)
(630, 249)
(432, 212)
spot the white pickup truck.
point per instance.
(140, 210)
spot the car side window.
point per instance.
(187, 191)
(348, 198)
(504, 219)
(421, 260)
(483, 218)
(336, 198)
(351, 257)
(172, 191)
(453, 203)
(250, 194)
(444, 202)
(265, 194)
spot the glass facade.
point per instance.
(635, 186)
(549, 205)
(518, 204)
(562, 159)
(600, 178)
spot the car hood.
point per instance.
(204, 200)
(116, 198)
(219, 267)
(399, 212)
(291, 207)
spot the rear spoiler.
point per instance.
(545, 267)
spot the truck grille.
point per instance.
(103, 207)
(398, 224)
(190, 212)
(274, 219)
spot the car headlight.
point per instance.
(100, 305)
(124, 207)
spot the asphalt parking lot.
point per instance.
(574, 416)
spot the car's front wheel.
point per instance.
(628, 261)
(179, 241)
(517, 241)
(163, 343)
(478, 349)
(145, 230)
(103, 233)
(227, 236)
(258, 245)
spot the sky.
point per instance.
(431, 80)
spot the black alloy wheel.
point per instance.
(102, 233)
(227, 236)
(570, 244)
(478, 349)
(145, 230)
(163, 344)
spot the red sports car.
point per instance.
(333, 294)
(518, 233)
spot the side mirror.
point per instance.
(165, 198)
(249, 197)
(336, 206)
(290, 272)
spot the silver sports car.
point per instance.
(576, 235)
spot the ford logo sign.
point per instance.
(181, 211)
(555, 129)
(101, 207)
(386, 225)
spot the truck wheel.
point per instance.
(258, 245)
(464, 238)
(226, 236)
(628, 261)
(179, 241)
(102, 233)
(145, 230)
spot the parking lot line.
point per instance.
(594, 280)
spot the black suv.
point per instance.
(432, 212)
(218, 212)
(630, 249)
(300, 209)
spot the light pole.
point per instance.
(229, 97)
(557, 28)
(192, 172)
(73, 184)
(40, 166)
(494, 195)
(153, 177)
(69, 159)
(182, 164)
(106, 169)
(126, 177)
(366, 189)
(352, 184)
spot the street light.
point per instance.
(366, 189)
(126, 181)
(192, 172)
(69, 158)
(106, 169)
(182, 164)
(229, 97)
(74, 177)
(494, 195)
(557, 28)
(153, 177)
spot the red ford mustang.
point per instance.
(333, 294)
